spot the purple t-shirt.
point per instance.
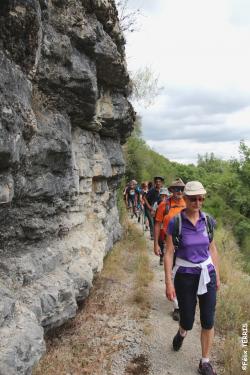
(194, 242)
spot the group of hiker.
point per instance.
(183, 240)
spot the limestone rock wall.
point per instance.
(64, 114)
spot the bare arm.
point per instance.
(157, 228)
(215, 259)
(168, 265)
(126, 199)
(147, 204)
(141, 199)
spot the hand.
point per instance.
(157, 249)
(170, 291)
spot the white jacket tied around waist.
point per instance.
(204, 276)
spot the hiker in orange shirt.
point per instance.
(165, 212)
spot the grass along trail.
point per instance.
(125, 327)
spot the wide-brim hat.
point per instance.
(194, 188)
(177, 183)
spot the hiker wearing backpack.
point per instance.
(166, 210)
(163, 200)
(151, 197)
(164, 214)
(144, 190)
(196, 272)
(131, 197)
(140, 203)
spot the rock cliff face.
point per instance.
(63, 116)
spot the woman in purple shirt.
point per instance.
(195, 272)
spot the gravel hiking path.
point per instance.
(155, 355)
(112, 335)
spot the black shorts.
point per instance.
(186, 286)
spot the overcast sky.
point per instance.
(201, 51)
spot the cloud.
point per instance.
(203, 134)
(240, 12)
(198, 115)
(200, 51)
(212, 101)
(193, 41)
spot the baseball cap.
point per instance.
(158, 178)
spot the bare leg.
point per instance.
(207, 336)
(183, 332)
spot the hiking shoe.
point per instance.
(177, 341)
(161, 260)
(206, 369)
(176, 315)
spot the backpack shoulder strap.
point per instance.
(209, 226)
(167, 207)
(176, 236)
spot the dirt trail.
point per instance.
(112, 335)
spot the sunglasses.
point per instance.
(177, 189)
(195, 198)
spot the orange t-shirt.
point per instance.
(175, 206)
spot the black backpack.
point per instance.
(176, 236)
